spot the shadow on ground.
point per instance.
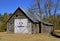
(55, 35)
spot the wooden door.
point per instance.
(20, 26)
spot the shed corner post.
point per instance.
(40, 27)
(53, 29)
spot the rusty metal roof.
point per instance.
(34, 17)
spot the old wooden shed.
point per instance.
(24, 22)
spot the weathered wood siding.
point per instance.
(46, 28)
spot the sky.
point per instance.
(10, 6)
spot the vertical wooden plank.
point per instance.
(40, 27)
(37, 28)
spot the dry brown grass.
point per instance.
(26, 37)
(57, 32)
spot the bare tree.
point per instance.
(36, 8)
(56, 7)
(48, 5)
(38, 1)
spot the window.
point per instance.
(16, 15)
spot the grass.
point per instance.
(57, 32)
(26, 37)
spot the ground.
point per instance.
(26, 37)
(57, 32)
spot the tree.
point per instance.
(56, 7)
(0, 17)
(10, 14)
(0, 21)
(48, 7)
(4, 20)
(35, 8)
(5, 17)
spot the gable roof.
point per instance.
(30, 16)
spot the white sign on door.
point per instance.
(20, 26)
